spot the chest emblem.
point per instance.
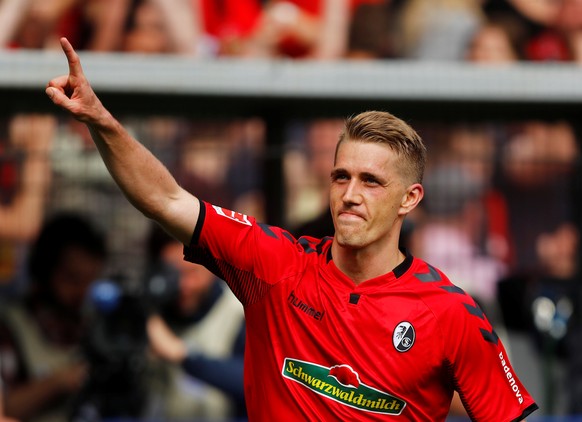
(404, 336)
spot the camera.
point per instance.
(116, 342)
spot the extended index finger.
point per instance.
(75, 68)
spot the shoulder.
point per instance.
(433, 287)
(458, 314)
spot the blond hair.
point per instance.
(385, 128)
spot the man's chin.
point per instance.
(347, 239)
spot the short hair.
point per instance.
(384, 128)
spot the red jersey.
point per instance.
(320, 347)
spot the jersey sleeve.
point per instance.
(250, 256)
(482, 373)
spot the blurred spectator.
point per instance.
(537, 20)
(200, 334)
(25, 180)
(569, 25)
(33, 23)
(305, 29)
(298, 29)
(146, 30)
(535, 15)
(40, 335)
(448, 235)
(559, 282)
(372, 32)
(438, 29)
(11, 12)
(203, 161)
(492, 44)
(29, 139)
(308, 170)
(245, 175)
(537, 165)
(201, 28)
(37, 24)
(541, 304)
(164, 26)
(228, 25)
(537, 158)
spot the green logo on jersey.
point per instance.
(342, 384)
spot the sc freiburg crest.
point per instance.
(404, 336)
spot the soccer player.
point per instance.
(348, 327)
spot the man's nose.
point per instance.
(353, 193)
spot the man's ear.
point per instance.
(412, 197)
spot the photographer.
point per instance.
(200, 334)
(40, 335)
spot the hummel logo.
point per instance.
(303, 307)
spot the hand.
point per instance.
(164, 342)
(71, 378)
(73, 92)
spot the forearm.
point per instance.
(224, 374)
(24, 402)
(143, 179)
(333, 39)
(22, 218)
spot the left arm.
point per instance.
(225, 374)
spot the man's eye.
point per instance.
(336, 177)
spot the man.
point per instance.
(342, 328)
(199, 332)
(41, 334)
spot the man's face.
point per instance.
(366, 195)
(73, 276)
(195, 280)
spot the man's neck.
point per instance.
(364, 264)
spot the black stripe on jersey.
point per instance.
(404, 265)
(474, 310)
(320, 245)
(247, 287)
(489, 336)
(429, 277)
(453, 289)
(310, 247)
(199, 224)
(354, 298)
(288, 236)
(267, 229)
(307, 247)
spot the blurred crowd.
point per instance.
(479, 30)
(501, 215)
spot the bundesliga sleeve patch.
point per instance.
(232, 215)
(342, 384)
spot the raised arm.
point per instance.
(144, 180)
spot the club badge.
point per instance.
(404, 336)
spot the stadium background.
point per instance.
(250, 135)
